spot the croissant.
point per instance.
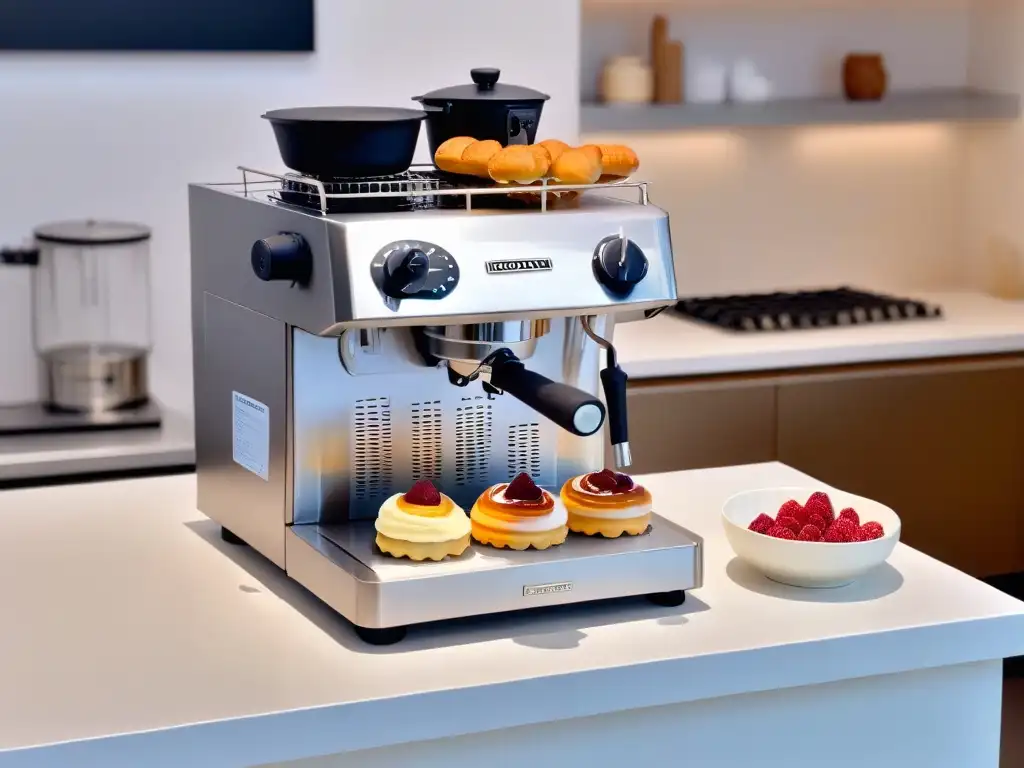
(618, 160)
(518, 163)
(581, 165)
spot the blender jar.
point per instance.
(91, 315)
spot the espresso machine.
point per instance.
(351, 338)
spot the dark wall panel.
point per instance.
(156, 25)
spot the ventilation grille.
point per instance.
(426, 440)
(373, 452)
(472, 441)
(524, 450)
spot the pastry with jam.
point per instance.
(422, 524)
(606, 503)
(519, 515)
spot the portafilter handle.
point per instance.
(570, 408)
(613, 381)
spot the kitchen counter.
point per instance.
(36, 457)
(133, 635)
(672, 346)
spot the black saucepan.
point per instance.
(346, 142)
(485, 109)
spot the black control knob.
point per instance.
(282, 257)
(405, 273)
(619, 265)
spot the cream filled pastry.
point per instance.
(519, 515)
(606, 503)
(423, 524)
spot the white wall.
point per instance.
(763, 209)
(121, 135)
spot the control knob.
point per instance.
(405, 273)
(282, 257)
(619, 265)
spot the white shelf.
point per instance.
(946, 105)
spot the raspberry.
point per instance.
(793, 509)
(762, 524)
(840, 531)
(523, 489)
(424, 494)
(818, 522)
(778, 532)
(789, 522)
(850, 514)
(871, 530)
(809, 533)
(820, 504)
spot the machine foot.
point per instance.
(229, 537)
(386, 636)
(668, 599)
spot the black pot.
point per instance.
(509, 114)
(346, 142)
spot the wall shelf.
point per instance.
(945, 105)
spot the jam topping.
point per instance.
(423, 494)
(523, 489)
(608, 482)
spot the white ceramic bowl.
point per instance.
(807, 563)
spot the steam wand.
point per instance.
(613, 380)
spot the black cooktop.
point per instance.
(805, 309)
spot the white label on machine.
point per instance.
(250, 434)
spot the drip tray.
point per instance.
(342, 566)
(37, 419)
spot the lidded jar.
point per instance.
(91, 313)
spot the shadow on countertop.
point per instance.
(552, 628)
(882, 581)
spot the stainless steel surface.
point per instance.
(360, 408)
(476, 342)
(622, 455)
(362, 435)
(95, 378)
(341, 293)
(37, 419)
(341, 566)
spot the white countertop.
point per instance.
(133, 632)
(45, 456)
(670, 345)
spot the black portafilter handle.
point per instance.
(613, 380)
(570, 408)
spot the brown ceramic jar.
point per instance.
(864, 76)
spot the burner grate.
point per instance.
(804, 310)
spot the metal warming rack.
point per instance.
(424, 181)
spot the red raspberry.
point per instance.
(424, 494)
(809, 533)
(604, 480)
(871, 530)
(523, 489)
(789, 522)
(840, 531)
(850, 514)
(762, 524)
(819, 504)
(793, 509)
(778, 532)
(818, 521)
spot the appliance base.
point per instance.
(382, 595)
(39, 419)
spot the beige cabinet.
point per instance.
(941, 442)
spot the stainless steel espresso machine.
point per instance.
(351, 338)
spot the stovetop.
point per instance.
(805, 310)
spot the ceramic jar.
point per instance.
(627, 80)
(865, 77)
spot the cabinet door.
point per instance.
(675, 426)
(945, 449)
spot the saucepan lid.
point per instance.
(92, 232)
(485, 87)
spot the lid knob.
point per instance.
(485, 78)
